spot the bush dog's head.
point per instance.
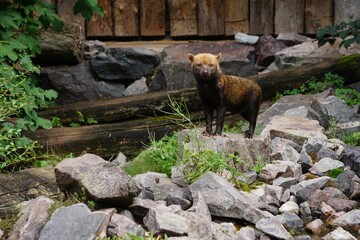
(205, 65)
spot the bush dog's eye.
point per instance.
(198, 64)
(211, 64)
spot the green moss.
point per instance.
(335, 172)
(349, 63)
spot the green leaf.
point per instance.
(51, 94)
(45, 21)
(87, 8)
(58, 25)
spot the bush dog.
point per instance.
(221, 92)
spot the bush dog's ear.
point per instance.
(218, 57)
(191, 57)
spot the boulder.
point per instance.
(76, 83)
(121, 225)
(71, 222)
(174, 71)
(245, 38)
(349, 220)
(291, 39)
(102, 180)
(304, 189)
(137, 87)
(351, 158)
(224, 200)
(33, 217)
(266, 49)
(273, 228)
(324, 166)
(339, 233)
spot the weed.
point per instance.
(83, 121)
(259, 166)
(333, 173)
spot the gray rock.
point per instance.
(120, 159)
(140, 207)
(224, 200)
(102, 231)
(291, 39)
(102, 180)
(76, 83)
(289, 206)
(350, 220)
(297, 129)
(302, 237)
(124, 65)
(149, 180)
(279, 143)
(317, 226)
(351, 158)
(325, 165)
(285, 153)
(121, 225)
(162, 220)
(266, 49)
(318, 196)
(137, 87)
(274, 191)
(247, 177)
(304, 189)
(305, 161)
(301, 111)
(285, 182)
(33, 217)
(291, 221)
(93, 48)
(339, 233)
(325, 152)
(340, 204)
(344, 182)
(286, 196)
(273, 227)
(245, 38)
(200, 207)
(74, 222)
(305, 212)
(315, 143)
(223, 230)
(245, 233)
(272, 171)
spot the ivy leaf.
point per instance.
(58, 25)
(87, 8)
(51, 94)
(45, 21)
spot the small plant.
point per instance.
(258, 167)
(352, 139)
(56, 122)
(83, 121)
(349, 95)
(333, 173)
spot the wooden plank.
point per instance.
(262, 16)
(126, 18)
(211, 18)
(289, 16)
(152, 17)
(183, 17)
(236, 16)
(318, 14)
(101, 26)
(346, 10)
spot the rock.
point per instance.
(124, 65)
(140, 207)
(340, 204)
(291, 221)
(285, 182)
(332, 109)
(279, 143)
(109, 212)
(297, 129)
(33, 218)
(289, 206)
(266, 48)
(317, 226)
(248, 150)
(351, 158)
(245, 38)
(93, 48)
(291, 39)
(305, 188)
(325, 165)
(325, 152)
(274, 191)
(349, 184)
(121, 225)
(77, 220)
(273, 227)
(307, 53)
(174, 71)
(313, 145)
(305, 161)
(245, 233)
(339, 233)
(200, 207)
(223, 230)
(161, 220)
(285, 197)
(102, 180)
(350, 220)
(149, 180)
(137, 87)
(247, 177)
(20, 186)
(76, 83)
(305, 211)
(280, 169)
(120, 160)
(233, 203)
(283, 151)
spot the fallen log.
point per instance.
(153, 104)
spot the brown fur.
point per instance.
(224, 93)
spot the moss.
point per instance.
(349, 63)
(309, 176)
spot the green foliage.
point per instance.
(349, 95)
(352, 139)
(83, 121)
(87, 8)
(333, 173)
(148, 236)
(348, 32)
(160, 156)
(259, 166)
(20, 97)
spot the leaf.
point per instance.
(51, 94)
(42, 122)
(45, 21)
(58, 25)
(87, 8)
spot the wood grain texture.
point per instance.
(346, 10)
(152, 17)
(236, 16)
(126, 18)
(289, 16)
(211, 17)
(262, 16)
(183, 17)
(101, 26)
(318, 14)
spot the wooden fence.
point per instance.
(189, 18)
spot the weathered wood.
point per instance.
(124, 108)
(236, 16)
(101, 26)
(211, 17)
(262, 16)
(105, 140)
(318, 14)
(126, 18)
(289, 16)
(346, 10)
(152, 17)
(66, 13)
(64, 47)
(183, 17)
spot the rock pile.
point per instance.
(298, 200)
